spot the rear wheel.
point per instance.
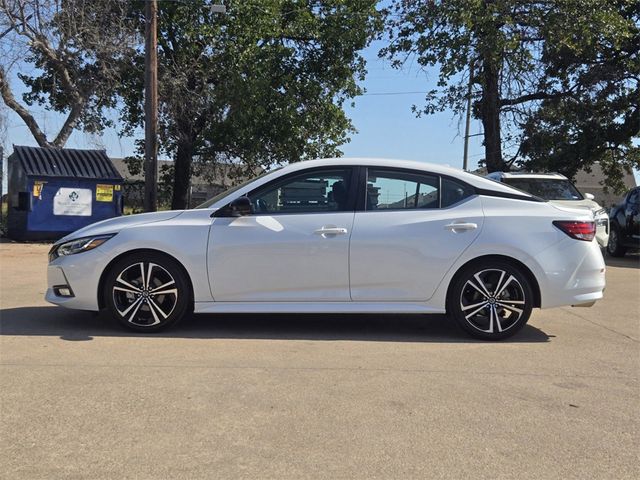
(147, 292)
(614, 248)
(491, 300)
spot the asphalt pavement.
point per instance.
(317, 396)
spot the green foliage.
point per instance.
(567, 74)
(263, 84)
(68, 54)
(598, 63)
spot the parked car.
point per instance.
(625, 224)
(339, 235)
(558, 189)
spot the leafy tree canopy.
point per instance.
(263, 84)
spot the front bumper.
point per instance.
(73, 280)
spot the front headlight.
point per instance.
(77, 246)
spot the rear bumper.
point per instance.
(574, 274)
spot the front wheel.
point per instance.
(147, 292)
(491, 300)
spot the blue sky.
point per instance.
(386, 125)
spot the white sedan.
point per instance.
(339, 235)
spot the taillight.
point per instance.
(578, 230)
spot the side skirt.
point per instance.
(314, 307)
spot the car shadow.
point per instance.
(75, 325)
(630, 260)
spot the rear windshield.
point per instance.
(546, 188)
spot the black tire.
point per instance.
(147, 308)
(614, 248)
(491, 299)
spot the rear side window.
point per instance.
(454, 192)
(394, 190)
(407, 190)
(546, 188)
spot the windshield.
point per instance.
(221, 195)
(546, 188)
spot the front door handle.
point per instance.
(330, 231)
(461, 227)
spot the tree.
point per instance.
(73, 48)
(262, 85)
(508, 44)
(599, 120)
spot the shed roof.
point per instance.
(65, 162)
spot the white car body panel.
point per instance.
(424, 249)
(280, 258)
(386, 261)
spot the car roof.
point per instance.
(470, 178)
(552, 175)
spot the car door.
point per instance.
(412, 228)
(293, 247)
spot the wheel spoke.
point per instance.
(127, 284)
(142, 277)
(135, 311)
(483, 287)
(173, 291)
(510, 308)
(471, 284)
(474, 312)
(497, 317)
(138, 301)
(491, 315)
(128, 290)
(509, 280)
(153, 305)
(469, 307)
(495, 290)
(156, 320)
(149, 278)
(165, 285)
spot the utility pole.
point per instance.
(151, 106)
(465, 158)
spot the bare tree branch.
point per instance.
(13, 104)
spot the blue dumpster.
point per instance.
(55, 191)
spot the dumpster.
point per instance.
(55, 191)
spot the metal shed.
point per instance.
(55, 191)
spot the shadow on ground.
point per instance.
(630, 260)
(78, 326)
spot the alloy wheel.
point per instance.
(145, 294)
(492, 301)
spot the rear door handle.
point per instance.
(461, 227)
(330, 231)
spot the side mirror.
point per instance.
(239, 207)
(589, 196)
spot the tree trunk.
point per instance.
(490, 112)
(182, 175)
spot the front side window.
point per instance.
(319, 191)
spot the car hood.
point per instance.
(114, 225)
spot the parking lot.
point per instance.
(266, 396)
